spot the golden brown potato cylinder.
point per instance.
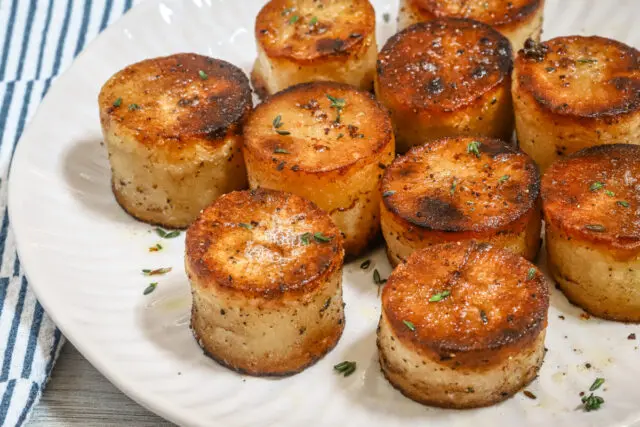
(173, 130)
(575, 92)
(460, 189)
(314, 40)
(265, 269)
(429, 98)
(329, 143)
(468, 334)
(517, 20)
(591, 203)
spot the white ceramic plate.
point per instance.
(83, 256)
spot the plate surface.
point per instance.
(83, 256)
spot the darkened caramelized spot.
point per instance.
(173, 99)
(262, 241)
(587, 77)
(492, 12)
(462, 184)
(491, 300)
(594, 194)
(422, 78)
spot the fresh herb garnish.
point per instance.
(365, 264)
(610, 193)
(440, 296)
(596, 186)
(245, 225)
(157, 271)
(473, 148)
(592, 403)
(338, 104)
(483, 316)
(277, 122)
(586, 61)
(454, 184)
(279, 150)
(156, 248)
(321, 238)
(596, 384)
(388, 193)
(283, 132)
(313, 21)
(531, 273)
(203, 75)
(377, 279)
(340, 135)
(134, 107)
(293, 19)
(504, 178)
(530, 395)
(386, 17)
(409, 325)
(346, 368)
(117, 102)
(152, 287)
(306, 238)
(596, 227)
(623, 203)
(167, 234)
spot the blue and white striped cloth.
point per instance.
(38, 40)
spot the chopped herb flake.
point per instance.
(596, 186)
(203, 75)
(280, 151)
(592, 403)
(283, 132)
(313, 21)
(321, 238)
(287, 11)
(152, 287)
(586, 61)
(167, 234)
(386, 17)
(157, 271)
(306, 238)
(117, 102)
(377, 279)
(365, 264)
(440, 296)
(473, 148)
(157, 247)
(596, 384)
(134, 107)
(345, 368)
(409, 325)
(531, 273)
(454, 184)
(293, 19)
(623, 203)
(338, 104)
(504, 178)
(595, 227)
(388, 193)
(340, 135)
(277, 122)
(610, 193)
(530, 395)
(483, 316)
(245, 225)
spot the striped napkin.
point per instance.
(38, 40)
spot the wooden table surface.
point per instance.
(78, 395)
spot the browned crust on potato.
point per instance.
(316, 142)
(492, 12)
(474, 197)
(594, 196)
(311, 38)
(238, 223)
(480, 279)
(414, 67)
(582, 77)
(317, 355)
(167, 101)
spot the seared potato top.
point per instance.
(594, 194)
(306, 30)
(318, 127)
(461, 184)
(172, 100)
(474, 298)
(263, 242)
(581, 76)
(415, 65)
(493, 12)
